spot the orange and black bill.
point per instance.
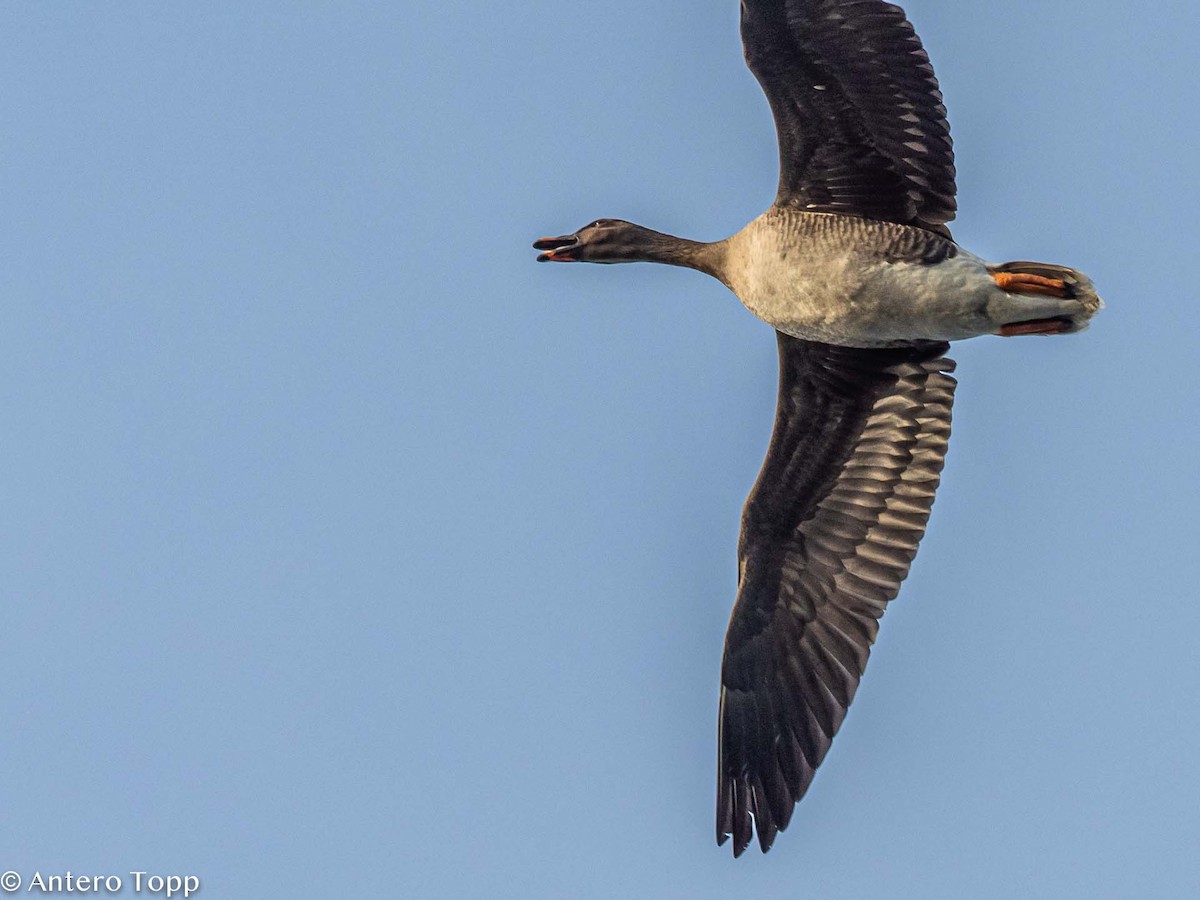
(558, 249)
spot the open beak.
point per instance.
(559, 249)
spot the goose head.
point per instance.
(603, 241)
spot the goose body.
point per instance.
(864, 283)
(854, 267)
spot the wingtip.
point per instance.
(739, 846)
(766, 839)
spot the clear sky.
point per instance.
(346, 552)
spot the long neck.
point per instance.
(654, 246)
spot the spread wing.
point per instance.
(828, 534)
(862, 129)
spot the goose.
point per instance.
(854, 267)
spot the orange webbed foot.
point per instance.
(1024, 283)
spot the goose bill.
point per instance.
(558, 249)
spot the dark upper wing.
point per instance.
(828, 534)
(862, 129)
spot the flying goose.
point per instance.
(854, 267)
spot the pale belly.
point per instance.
(857, 299)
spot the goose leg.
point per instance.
(1040, 298)
(1025, 283)
(1056, 325)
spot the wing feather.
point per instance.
(828, 533)
(861, 124)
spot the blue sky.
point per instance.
(347, 552)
